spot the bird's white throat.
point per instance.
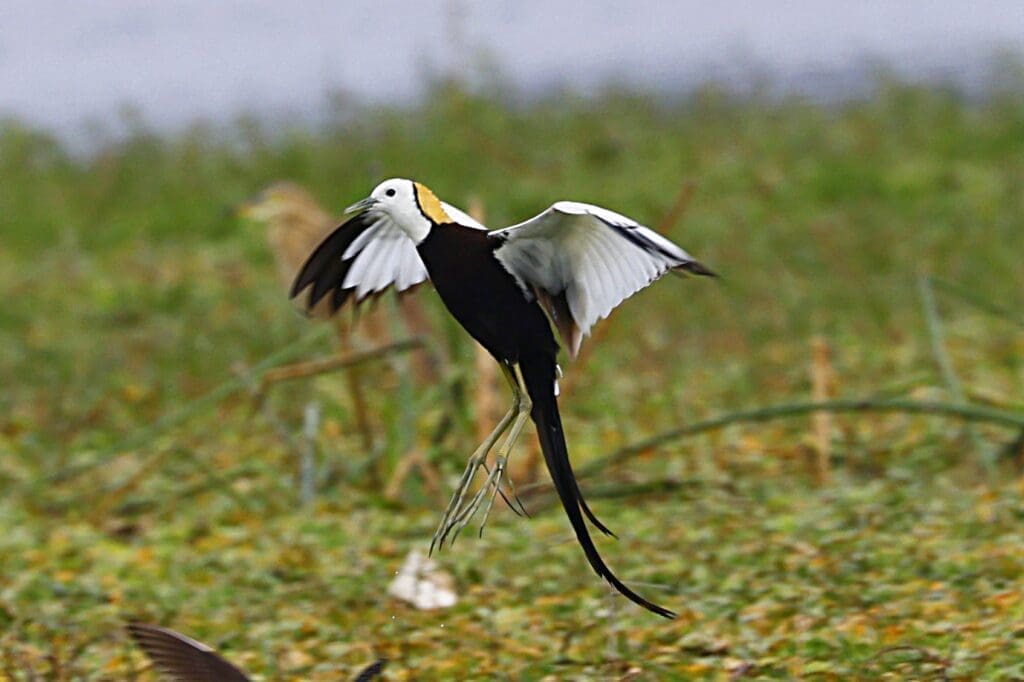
(412, 222)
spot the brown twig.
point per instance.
(544, 491)
(320, 366)
(966, 412)
(354, 383)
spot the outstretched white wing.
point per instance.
(365, 256)
(581, 261)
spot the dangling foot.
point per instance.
(458, 513)
(479, 459)
(454, 510)
(492, 484)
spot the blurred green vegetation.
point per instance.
(131, 290)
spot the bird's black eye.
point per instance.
(390, 192)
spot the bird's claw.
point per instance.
(492, 483)
(456, 503)
(458, 515)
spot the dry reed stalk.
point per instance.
(822, 389)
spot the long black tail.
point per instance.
(539, 376)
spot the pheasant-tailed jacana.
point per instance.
(573, 263)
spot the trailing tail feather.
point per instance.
(590, 515)
(539, 377)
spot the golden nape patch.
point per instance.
(430, 205)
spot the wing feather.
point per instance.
(183, 658)
(461, 217)
(605, 292)
(614, 280)
(364, 256)
(584, 260)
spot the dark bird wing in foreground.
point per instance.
(182, 658)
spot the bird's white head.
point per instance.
(412, 206)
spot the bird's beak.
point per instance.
(360, 206)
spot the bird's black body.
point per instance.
(483, 296)
(491, 305)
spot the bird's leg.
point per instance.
(475, 462)
(456, 510)
(525, 406)
(522, 407)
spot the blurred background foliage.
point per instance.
(132, 291)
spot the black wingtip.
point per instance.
(697, 268)
(324, 270)
(371, 671)
(297, 286)
(180, 657)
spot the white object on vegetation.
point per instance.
(423, 583)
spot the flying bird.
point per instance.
(183, 659)
(572, 264)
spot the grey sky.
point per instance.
(62, 62)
